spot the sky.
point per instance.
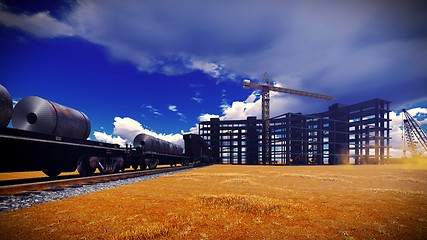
(161, 67)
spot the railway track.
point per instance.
(42, 184)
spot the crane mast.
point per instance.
(265, 88)
(412, 134)
(266, 121)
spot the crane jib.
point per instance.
(301, 93)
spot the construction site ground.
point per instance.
(241, 202)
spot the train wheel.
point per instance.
(51, 171)
(84, 167)
(50, 167)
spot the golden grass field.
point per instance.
(241, 202)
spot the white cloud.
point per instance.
(416, 111)
(126, 129)
(172, 108)
(180, 115)
(104, 137)
(207, 117)
(40, 24)
(212, 69)
(252, 97)
(202, 118)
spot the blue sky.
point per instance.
(162, 66)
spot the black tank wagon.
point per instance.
(152, 151)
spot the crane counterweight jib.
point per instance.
(246, 84)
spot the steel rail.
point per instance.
(63, 183)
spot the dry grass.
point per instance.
(241, 202)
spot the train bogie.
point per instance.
(87, 165)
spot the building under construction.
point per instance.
(356, 134)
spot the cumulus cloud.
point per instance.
(104, 137)
(203, 117)
(207, 117)
(126, 129)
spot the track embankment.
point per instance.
(72, 180)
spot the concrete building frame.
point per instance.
(345, 134)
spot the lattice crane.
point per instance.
(412, 135)
(265, 88)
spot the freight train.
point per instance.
(49, 137)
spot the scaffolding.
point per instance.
(355, 134)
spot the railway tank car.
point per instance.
(152, 144)
(154, 151)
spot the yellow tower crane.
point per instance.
(265, 88)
